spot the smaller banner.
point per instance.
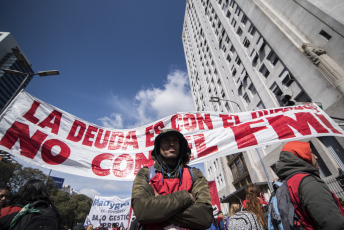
(109, 210)
(214, 197)
(58, 181)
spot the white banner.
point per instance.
(44, 135)
(109, 210)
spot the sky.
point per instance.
(121, 64)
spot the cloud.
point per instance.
(152, 103)
(90, 192)
(115, 120)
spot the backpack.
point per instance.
(37, 215)
(152, 173)
(281, 213)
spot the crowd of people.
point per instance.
(171, 195)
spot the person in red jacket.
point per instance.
(170, 194)
(315, 205)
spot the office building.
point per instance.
(249, 55)
(11, 57)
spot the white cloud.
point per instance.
(152, 104)
(90, 192)
(115, 120)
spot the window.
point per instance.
(288, 80)
(252, 89)
(260, 105)
(264, 71)
(228, 58)
(239, 31)
(239, 171)
(246, 98)
(252, 30)
(237, 10)
(233, 22)
(244, 19)
(272, 57)
(275, 89)
(246, 42)
(228, 15)
(237, 60)
(325, 35)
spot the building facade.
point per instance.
(11, 57)
(251, 55)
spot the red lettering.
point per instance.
(90, 133)
(52, 159)
(244, 133)
(228, 120)
(47, 122)
(141, 160)
(29, 115)
(174, 122)
(189, 139)
(130, 140)
(327, 123)
(116, 135)
(29, 146)
(189, 122)
(77, 131)
(201, 148)
(117, 163)
(99, 171)
(99, 143)
(281, 124)
(158, 127)
(204, 120)
(149, 136)
(257, 114)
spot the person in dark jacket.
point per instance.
(33, 190)
(315, 199)
(172, 197)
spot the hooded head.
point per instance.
(300, 149)
(184, 150)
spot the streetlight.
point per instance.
(217, 99)
(21, 86)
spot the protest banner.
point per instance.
(109, 210)
(44, 135)
(214, 197)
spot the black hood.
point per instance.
(288, 163)
(184, 150)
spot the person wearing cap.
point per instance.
(171, 195)
(315, 205)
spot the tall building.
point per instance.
(11, 57)
(249, 55)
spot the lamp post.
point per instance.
(217, 99)
(27, 77)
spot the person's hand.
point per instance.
(192, 197)
(155, 192)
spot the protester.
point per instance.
(235, 207)
(214, 225)
(33, 190)
(4, 195)
(252, 217)
(219, 220)
(79, 226)
(175, 195)
(315, 205)
(101, 227)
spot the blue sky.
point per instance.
(121, 63)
